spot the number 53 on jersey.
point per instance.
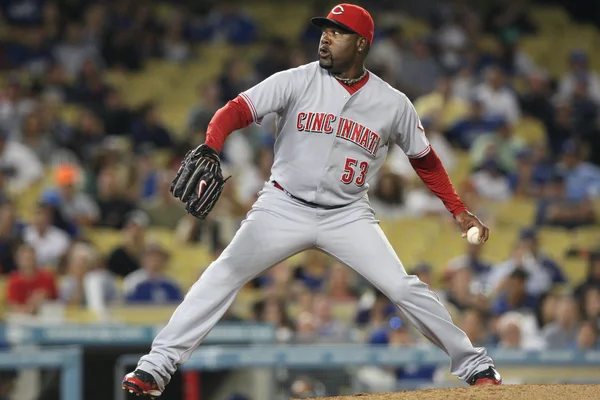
(352, 169)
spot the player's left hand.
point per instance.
(466, 220)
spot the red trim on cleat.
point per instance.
(486, 381)
(141, 383)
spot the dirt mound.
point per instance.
(508, 392)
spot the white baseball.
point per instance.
(473, 235)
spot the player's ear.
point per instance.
(362, 44)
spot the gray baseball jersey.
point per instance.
(329, 145)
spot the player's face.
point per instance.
(337, 49)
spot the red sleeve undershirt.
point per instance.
(432, 172)
(232, 116)
(237, 115)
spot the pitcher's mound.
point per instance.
(501, 392)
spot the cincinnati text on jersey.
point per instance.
(318, 122)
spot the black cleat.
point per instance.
(486, 377)
(141, 383)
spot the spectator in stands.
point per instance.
(534, 170)
(19, 163)
(465, 131)
(29, 287)
(561, 130)
(340, 285)
(535, 101)
(473, 323)
(579, 69)
(237, 76)
(73, 51)
(555, 209)
(95, 25)
(502, 145)
(591, 304)
(388, 197)
(584, 109)
(313, 272)
(419, 71)
(125, 259)
(398, 334)
(200, 115)
(228, 23)
(497, 99)
(562, 333)
(545, 310)
(89, 89)
(587, 337)
(33, 135)
(474, 260)
(76, 208)
(511, 58)
(115, 114)
(387, 53)
(509, 331)
(15, 104)
(275, 58)
(254, 176)
(374, 311)
(519, 330)
(542, 271)
(175, 47)
(148, 128)
(490, 182)
(112, 200)
(50, 243)
(143, 175)
(11, 233)
(163, 209)
(31, 53)
(582, 179)
(86, 282)
(87, 137)
(55, 84)
(442, 105)
(462, 293)
(507, 16)
(150, 284)
(273, 311)
(592, 280)
(514, 296)
(328, 326)
(228, 212)
(121, 49)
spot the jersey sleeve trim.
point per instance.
(423, 153)
(257, 120)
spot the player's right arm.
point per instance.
(271, 95)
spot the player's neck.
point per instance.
(354, 72)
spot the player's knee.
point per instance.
(222, 274)
(404, 289)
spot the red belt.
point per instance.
(307, 203)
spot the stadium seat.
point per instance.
(531, 130)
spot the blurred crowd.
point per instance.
(105, 172)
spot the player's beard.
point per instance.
(326, 63)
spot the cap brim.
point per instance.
(322, 21)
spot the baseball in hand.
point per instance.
(473, 235)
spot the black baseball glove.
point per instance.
(199, 181)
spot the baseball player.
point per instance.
(335, 123)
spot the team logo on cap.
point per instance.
(337, 10)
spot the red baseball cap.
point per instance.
(350, 17)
